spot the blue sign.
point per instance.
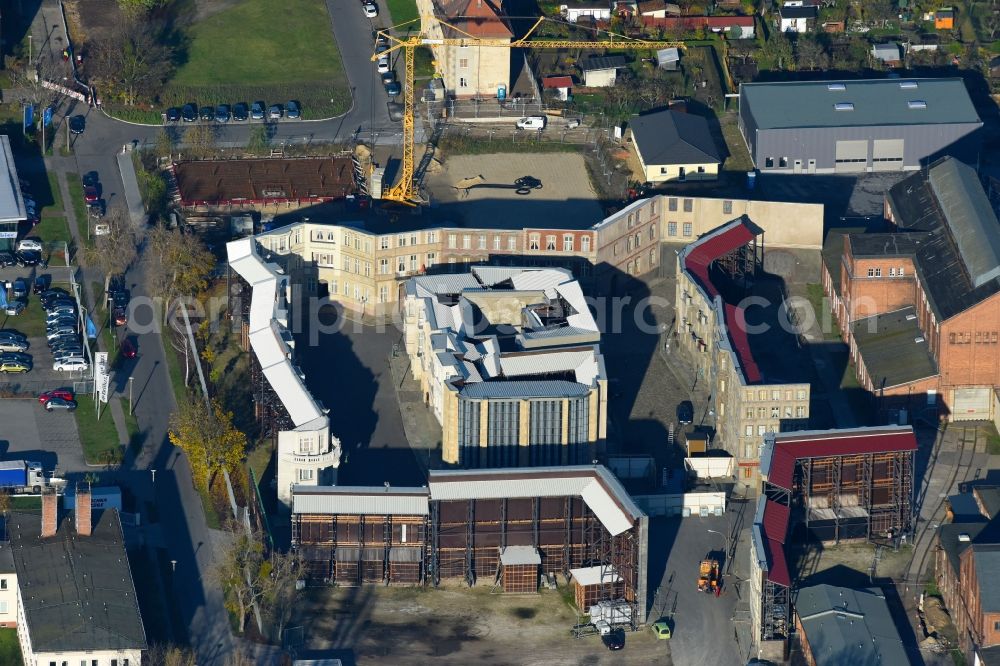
(29, 116)
(47, 116)
(91, 329)
(3, 295)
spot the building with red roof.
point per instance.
(712, 274)
(561, 84)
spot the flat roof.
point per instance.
(77, 590)
(894, 348)
(876, 102)
(11, 201)
(267, 179)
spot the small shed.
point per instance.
(944, 19)
(591, 584)
(668, 59)
(888, 53)
(601, 71)
(560, 84)
(519, 569)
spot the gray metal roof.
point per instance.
(798, 12)
(523, 390)
(670, 137)
(594, 63)
(806, 104)
(970, 217)
(846, 627)
(987, 574)
(360, 500)
(11, 201)
(77, 591)
(894, 348)
(512, 555)
(950, 544)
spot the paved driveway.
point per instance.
(31, 433)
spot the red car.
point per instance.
(62, 394)
(128, 348)
(90, 194)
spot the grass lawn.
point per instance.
(24, 504)
(989, 431)
(97, 436)
(403, 11)
(75, 185)
(31, 322)
(292, 58)
(55, 195)
(814, 292)
(10, 648)
(54, 232)
(739, 156)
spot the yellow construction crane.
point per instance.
(404, 191)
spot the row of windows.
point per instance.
(672, 229)
(893, 272)
(635, 267)
(688, 205)
(481, 242)
(534, 243)
(775, 412)
(91, 662)
(358, 292)
(775, 394)
(636, 217)
(358, 242)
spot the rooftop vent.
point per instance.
(917, 104)
(918, 339)
(844, 106)
(908, 85)
(964, 536)
(836, 86)
(911, 317)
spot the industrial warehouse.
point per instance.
(502, 527)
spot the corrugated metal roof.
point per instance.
(775, 521)
(11, 202)
(777, 571)
(526, 390)
(970, 218)
(292, 391)
(446, 283)
(514, 555)
(365, 500)
(595, 575)
(513, 365)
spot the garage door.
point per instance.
(972, 404)
(852, 156)
(887, 155)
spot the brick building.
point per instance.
(920, 305)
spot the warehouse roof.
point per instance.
(11, 202)
(893, 348)
(952, 545)
(670, 137)
(846, 627)
(77, 591)
(957, 261)
(811, 104)
(987, 573)
(360, 500)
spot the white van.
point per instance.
(531, 123)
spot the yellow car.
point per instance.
(661, 629)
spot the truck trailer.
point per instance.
(22, 476)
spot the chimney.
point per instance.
(50, 514)
(84, 526)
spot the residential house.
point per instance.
(796, 18)
(889, 54)
(944, 19)
(658, 9)
(602, 71)
(674, 146)
(469, 71)
(833, 26)
(839, 625)
(8, 587)
(560, 84)
(587, 10)
(920, 306)
(76, 601)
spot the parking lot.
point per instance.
(31, 433)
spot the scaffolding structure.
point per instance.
(742, 265)
(775, 611)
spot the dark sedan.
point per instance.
(173, 114)
(208, 112)
(77, 124)
(240, 112)
(189, 113)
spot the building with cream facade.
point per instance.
(714, 331)
(509, 364)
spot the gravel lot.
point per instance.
(566, 199)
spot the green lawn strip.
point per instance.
(31, 321)
(403, 11)
(211, 517)
(24, 504)
(56, 207)
(75, 186)
(54, 232)
(174, 369)
(294, 58)
(10, 647)
(97, 436)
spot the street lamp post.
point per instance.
(725, 539)
(131, 410)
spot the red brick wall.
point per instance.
(885, 291)
(969, 346)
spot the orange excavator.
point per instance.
(709, 576)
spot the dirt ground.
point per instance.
(457, 625)
(565, 200)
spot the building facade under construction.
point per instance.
(504, 527)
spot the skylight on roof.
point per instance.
(836, 86)
(916, 104)
(908, 85)
(844, 106)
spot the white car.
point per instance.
(531, 123)
(102, 229)
(371, 9)
(69, 365)
(383, 64)
(29, 244)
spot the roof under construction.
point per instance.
(259, 181)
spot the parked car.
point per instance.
(62, 394)
(685, 412)
(240, 112)
(189, 112)
(392, 88)
(120, 316)
(615, 639)
(14, 366)
(29, 244)
(207, 112)
(388, 77)
(70, 364)
(92, 179)
(9, 345)
(370, 9)
(77, 124)
(292, 109)
(172, 115)
(128, 349)
(257, 110)
(58, 333)
(661, 629)
(102, 229)
(14, 308)
(66, 344)
(41, 283)
(60, 404)
(91, 194)
(30, 258)
(19, 288)
(67, 354)
(52, 304)
(60, 309)
(222, 113)
(7, 259)
(383, 64)
(531, 123)
(275, 112)
(12, 334)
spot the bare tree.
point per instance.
(170, 655)
(809, 53)
(200, 141)
(132, 63)
(992, 23)
(286, 570)
(114, 251)
(241, 568)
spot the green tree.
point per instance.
(776, 54)
(809, 53)
(179, 264)
(209, 439)
(259, 140)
